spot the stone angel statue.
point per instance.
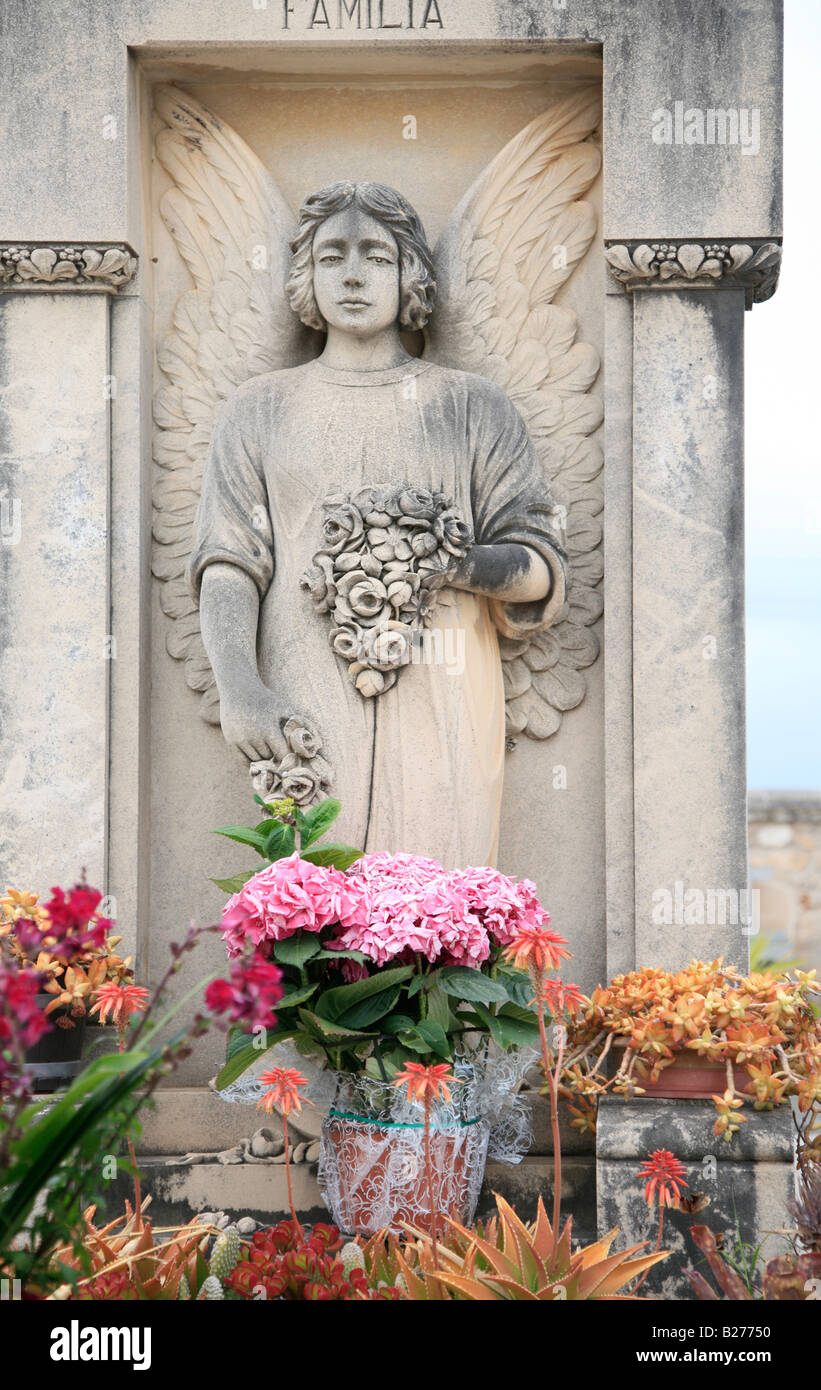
(361, 553)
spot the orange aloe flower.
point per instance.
(426, 1083)
(558, 996)
(283, 1093)
(121, 1001)
(537, 949)
(665, 1174)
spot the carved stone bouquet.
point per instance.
(387, 551)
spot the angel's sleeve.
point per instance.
(512, 505)
(233, 522)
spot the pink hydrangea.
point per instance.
(388, 906)
(292, 895)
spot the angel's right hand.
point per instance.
(251, 722)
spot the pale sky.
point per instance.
(783, 453)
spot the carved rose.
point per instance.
(417, 502)
(319, 581)
(342, 528)
(302, 782)
(362, 597)
(402, 590)
(302, 738)
(370, 683)
(389, 648)
(264, 777)
(303, 774)
(452, 533)
(423, 543)
(346, 642)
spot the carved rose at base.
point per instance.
(387, 552)
(303, 774)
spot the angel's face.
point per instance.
(356, 274)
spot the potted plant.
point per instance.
(705, 1032)
(66, 942)
(388, 960)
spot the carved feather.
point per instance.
(513, 241)
(232, 227)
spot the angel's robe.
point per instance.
(418, 768)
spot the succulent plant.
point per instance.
(785, 1278)
(210, 1290)
(225, 1254)
(506, 1260)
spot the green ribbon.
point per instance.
(392, 1124)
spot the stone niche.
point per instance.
(641, 790)
(339, 116)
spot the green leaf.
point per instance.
(233, 885)
(439, 1010)
(341, 955)
(246, 1056)
(373, 1068)
(462, 983)
(296, 996)
(395, 1023)
(333, 856)
(491, 1023)
(318, 820)
(328, 1033)
(418, 982)
(515, 1032)
(335, 1002)
(238, 1040)
(278, 841)
(527, 1016)
(368, 1011)
(243, 834)
(518, 984)
(410, 1038)
(435, 1036)
(295, 950)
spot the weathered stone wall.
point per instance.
(785, 868)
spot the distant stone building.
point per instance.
(785, 866)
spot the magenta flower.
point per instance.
(250, 994)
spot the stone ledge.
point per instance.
(633, 1129)
(186, 1119)
(179, 1193)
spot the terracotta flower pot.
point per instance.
(373, 1176)
(688, 1076)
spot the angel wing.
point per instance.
(231, 226)
(514, 239)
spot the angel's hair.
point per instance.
(417, 287)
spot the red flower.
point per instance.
(664, 1172)
(22, 1021)
(537, 949)
(426, 1083)
(559, 996)
(74, 925)
(121, 1001)
(250, 994)
(284, 1093)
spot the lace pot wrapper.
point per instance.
(373, 1175)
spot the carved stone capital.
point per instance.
(57, 265)
(753, 265)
